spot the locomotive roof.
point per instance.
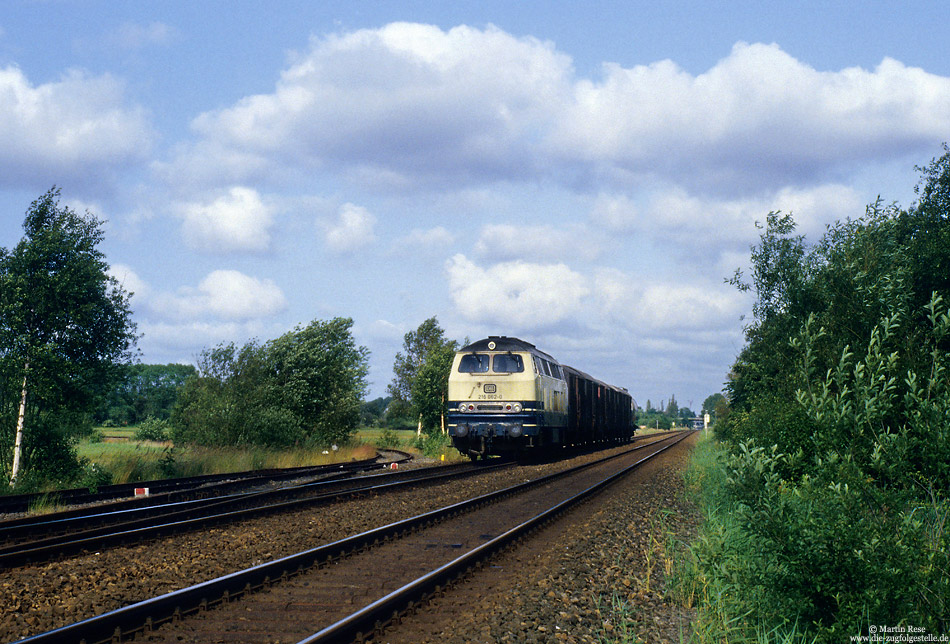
(505, 343)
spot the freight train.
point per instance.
(506, 397)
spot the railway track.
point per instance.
(431, 550)
(187, 488)
(30, 541)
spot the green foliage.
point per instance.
(152, 429)
(837, 484)
(416, 346)
(387, 439)
(715, 405)
(421, 376)
(94, 476)
(144, 390)
(373, 412)
(303, 387)
(430, 390)
(433, 445)
(65, 326)
(655, 419)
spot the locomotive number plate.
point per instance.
(489, 388)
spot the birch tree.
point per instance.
(65, 326)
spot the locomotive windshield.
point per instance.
(507, 363)
(473, 363)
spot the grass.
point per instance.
(128, 460)
(719, 616)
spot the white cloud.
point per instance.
(75, 129)
(722, 225)
(408, 104)
(758, 115)
(236, 221)
(353, 229)
(518, 294)
(130, 281)
(402, 104)
(663, 307)
(534, 297)
(537, 243)
(223, 294)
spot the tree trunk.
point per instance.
(442, 417)
(18, 443)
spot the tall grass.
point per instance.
(707, 573)
(143, 461)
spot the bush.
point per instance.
(387, 439)
(152, 429)
(433, 445)
(94, 476)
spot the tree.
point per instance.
(713, 405)
(65, 327)
(145, 390)
(418, 346)
(838, 423)
(672, 409)
(321, 377)
(430, 391)
(305, 386)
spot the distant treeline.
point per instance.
(143, 391)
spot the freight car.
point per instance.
(507, 397)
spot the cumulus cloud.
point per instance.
(519, 294)
(78, 128)
(722, 225)
(531, 296)
(129, 280)
(758, 115)
(403, 103)
(533, 243)
(236, 221)
(223, 294)
(407, 104)
(353, 229)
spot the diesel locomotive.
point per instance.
(507, 397)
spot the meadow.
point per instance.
(121, 458)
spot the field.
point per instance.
(127, 459)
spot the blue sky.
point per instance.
(581, 176)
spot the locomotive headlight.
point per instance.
(516, 408)
(463, 408)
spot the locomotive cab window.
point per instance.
(474, 363)
(507, 363)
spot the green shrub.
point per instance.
(387, 439)
(93, 476)
(152, 429)
(433, 445)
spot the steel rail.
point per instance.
(208, 484)
(70, 524)
(147, 614)
(371, 620)
(192, 519)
